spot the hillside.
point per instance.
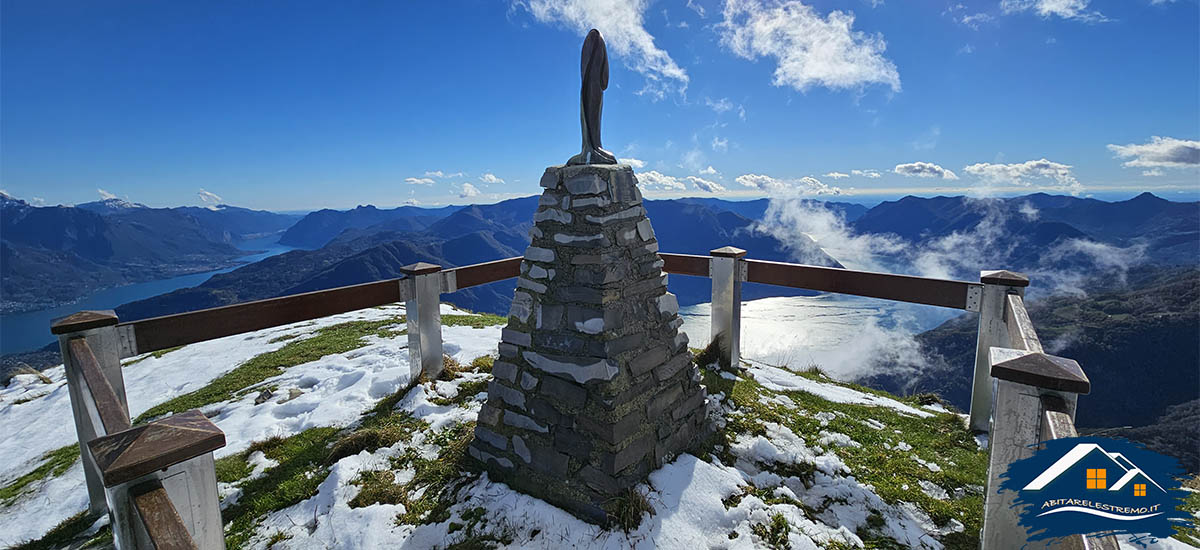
(329, 440)
(53, 255)
(1136, 342)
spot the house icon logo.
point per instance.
(1100, 486)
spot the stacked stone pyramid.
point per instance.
(594, 387)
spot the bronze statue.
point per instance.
(594, 70)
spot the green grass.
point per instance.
(478, 320)
(300, 471)
(54, 464)
(774, 533)
(1190, 533)
(329, 340)
(941, 439)
(627, 509)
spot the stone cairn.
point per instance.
(595, 386)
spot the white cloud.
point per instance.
(924, 170)
(208, 197)
(719, 106)
(706, 185)
(1066, 9)
(468, 191)
(1153, 172)
(693, 160)
(836, 175)
(967, 49)
(419, 181)
(1024, 172)
(490, 178)
(696, 7)
(441, 174)
(806, 185)
(657, 180)
(621, 23)
(636, 163)
(872, 174)
(720, 145)
(810, 49)
(710, 171)
(412, 202)
(973, 21)
(37, 201)
(1160, 152)
(105, 195)
(1028, 210)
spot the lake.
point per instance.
(28, 331)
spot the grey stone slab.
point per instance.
(635, 451)
(537, 287)
(681, 341)
(486, 457)
(644, 230)
(548, 199)
(582, 241)
(550, 178)
(582, 294)
(518, 420)
(599, 481)
(489, 415)
(547, 460)
(626, 236)
(623, 187)
(667, 304)
(535, 233)
(504, 370)
(647, 360)
(552, 214)
(585, 319)
(538, 272)
(528, 381)
(626, 214)
(508, 351)
(661, 402)
(549, 317)
(688, 405)
(515, 337)
(580, 369)
(521, 305)
(572, 443)
(584, 202)
(492, 438)
(625, 343)
(563, 391)
(613, 433)
(539, 254)
(512, 396)
(652, 246)
(545, 413)
(672, 367)
(586, 184)
(520, 448)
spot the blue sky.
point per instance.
(304, 105)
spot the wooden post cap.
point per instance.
(420, 268)
(1003, 277)
(727, 252)
(141, 450)
(1039, 370)
(83, 320)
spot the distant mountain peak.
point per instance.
(110, 206)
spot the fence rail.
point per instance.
(1035, 393)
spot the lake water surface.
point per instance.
(28, 331)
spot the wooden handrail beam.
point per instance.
(113, 416)
(888, 286)
(685, 264)
(160, 518)
(487, 272)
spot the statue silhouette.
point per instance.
(593, 67)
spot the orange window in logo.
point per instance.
(1096, 478)
(1139, 489)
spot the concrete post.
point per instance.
(100, 330)
(992, 332)
(727, 272)
(423, 310)
(1022, 379)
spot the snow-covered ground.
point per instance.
(778, 476)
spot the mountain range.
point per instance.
(56, 254)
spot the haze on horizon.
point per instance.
(292, 106)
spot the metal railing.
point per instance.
(1027, 409)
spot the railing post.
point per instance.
(174, 454)
(727, 270)
(99, 328)
(1023, 378)
(423, 310)
(992, 332)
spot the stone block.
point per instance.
(625, 343)
(520, 448)
(586, 184)
(547, 460)
(688, 405)
(486, 457)
(539, 254)
(644, 230)
(515, 337)
(623, 187)
(667, 304)
(565, 392)
(550, 178)
(544, 412)
(535, 233)
(582, 241)
(661, 402)
(647, 360)
(584, 202)
(669, 369)
(518, 420)
(539, 288)
(521, 305)
(582, 294)
(548, 199)
(512, 396)
(503, 370)
(552, 214)
(489, 415)
(572, 443)
(635, 451)
(599, 481)
(613, 433)
(626, 214)
(508, 351)
(491, 438)
(528, 381)
(580, 369)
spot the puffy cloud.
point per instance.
(105, 195)
(975, 20)
(441, 174)
(806, 185)
(419, 181)
(490, 178)
(720, 145)
(837, 175)
(1066, 9)
(657, 180)
(810, 49)
(720, 105)
(412, 202)
(1024, 172)
(924, 170)
(696, 7)
(872, 174)
(621, 23)
(206, 197)
(706, 185)
(1153, 172)
(468, 191)
(1160, 152)
(710, 171)
(636, 163)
